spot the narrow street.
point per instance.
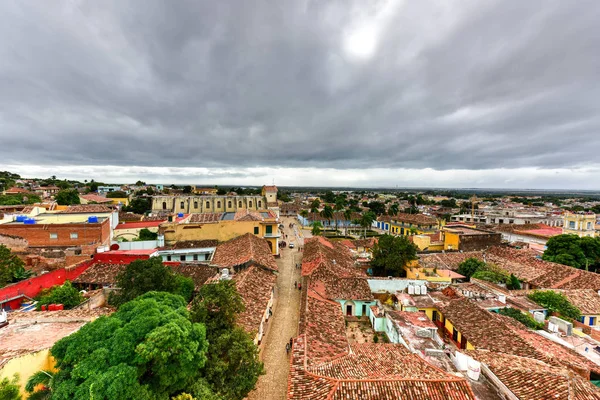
(283, 325)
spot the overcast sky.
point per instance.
(325, 92)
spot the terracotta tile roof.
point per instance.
(348, 243)
(417, 219)
(497, 333)
(205, 218)
(332, 272)
(369, 243)
(129, 217)
(249, 215)
(530, 379)
(244, 249)
(100, 274)
(324, 327)
(16, 190)
(199, 273)
(95, 198)
(447, 260)
(271, 188)
(255, 285)
(87, 208)
(195, 244)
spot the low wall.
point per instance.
(11, 295)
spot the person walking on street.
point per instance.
(287, 348)
(295, 284)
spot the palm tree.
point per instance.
(304, 214)
(327, 213)
(366, 220)
(394, 209)
(43, 377)
(347, 219)
(316, 228)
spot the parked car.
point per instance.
(291, 245)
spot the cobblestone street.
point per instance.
(283, 325)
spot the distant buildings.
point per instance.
(580, 224)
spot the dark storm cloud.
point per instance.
(474, 85)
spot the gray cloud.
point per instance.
(336, 84)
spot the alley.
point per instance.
(283, 323)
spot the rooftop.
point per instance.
(242, 250)
(255, 285)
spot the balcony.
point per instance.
(272, 235)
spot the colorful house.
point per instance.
(413, 224)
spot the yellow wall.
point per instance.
(221, 231)
(449, 327)
(26, 366)
(587, 319)
(117, 200)
(56, 218)
(411, 273)
(451, 241)
(428, 312)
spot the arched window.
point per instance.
(195, 204)
(249, 204)
(229, 204)
(182, 204)
(259, 204)
(218, 204)
(240, 204)
(208, 204)
(164, 205)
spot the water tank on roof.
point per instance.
(423, 289)
(418, 290)
(411, 289)
(20, 218)
(93, 219)
(180, 215)
(29, 221)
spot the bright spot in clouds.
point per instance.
(361, 43)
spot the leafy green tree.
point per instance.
(555, 302)
(366, 220)
(64, 294)
(187, 189)
(67, 197)
(148, 350)
(142, 276)
(9, 388)
(304, 213)
(138, 205)
(117, 194)
(147, 234)
(377, 207)
(317, 226)
(329, 197)
(391, 254)
(470, 266)
(93, 186)
(525, 319)
(44, 378)
(490, 276)
(450, 203)
(10, 266)
(284, 196)
(574, 251)
(347, 219)
(140, 183)
(233, 365)
(314, 206)
(513, 283)
(327, 213)
(394, 209)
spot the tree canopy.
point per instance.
(9, 389)
(138, 205)
(12, 268)
(149, 349)
(67, 197)
(64, 294)
(391, 254)
(555, 302)
(142, 276)
(147, 234)
(233, 365)
(575, 251)
(470, 266)
(117, 194)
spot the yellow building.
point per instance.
(41, 330)
(205, 191)
(223, 227)
(580, 224)
(415, 271)
(413, 224)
